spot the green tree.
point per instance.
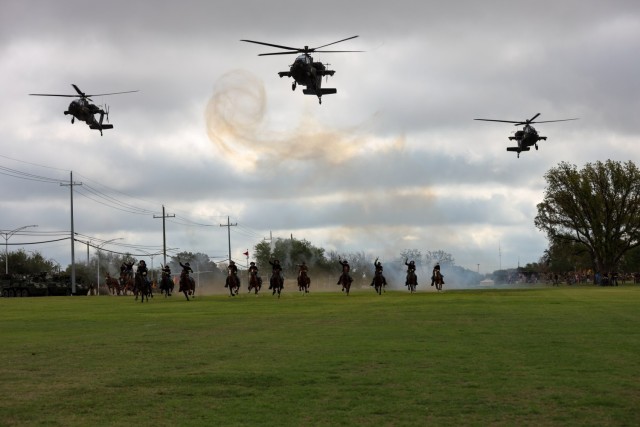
(441, 257)
(596, 208)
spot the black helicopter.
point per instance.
(303, 70)
(84, 110)
(528, 136)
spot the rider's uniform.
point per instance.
(345, 271)
(378, 266)
(411, 270)
(277, 269)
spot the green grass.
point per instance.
(563, 356)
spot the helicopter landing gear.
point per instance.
(320, 100)
(536, 147)
(293, 86)
(73, 119)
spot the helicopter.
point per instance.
(304, 70)
(84, 110)
(528, 136)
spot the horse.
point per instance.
(412, 281)
(276, 283)
(127, 283)
(142, 287)
(233, 283)
(345, 281)
(187, 285)
(304, 281)
(438, 280)
(378, 282)
(255, 282)
(112, 284)
(166, 285)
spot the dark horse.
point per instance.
(255, 282)
(304, 281)
(345, 281)
(437, 280)
(276, 283)
(187, 285)
(166, 285)
(233, 283)
(412, 281)
(378, 282)
(142, 287)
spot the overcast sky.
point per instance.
(393, 161)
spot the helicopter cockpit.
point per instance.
(305, 59)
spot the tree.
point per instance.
(597, 208)
(411, 254)
(439, 257)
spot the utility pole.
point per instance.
(270, 239)
(229, 225)
(164, 235)
(73, 234)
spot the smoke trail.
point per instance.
(235, 123)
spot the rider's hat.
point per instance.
(187, 264)
(232, 262)
(252, 263)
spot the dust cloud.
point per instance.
(236, 123)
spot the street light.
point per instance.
(98, 275)
(7, 236)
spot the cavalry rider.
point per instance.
(433, 274)
(233, 271)
(166, 278)
(143, 271)
(378, 266)
(411, 270)
(126, 268)
(253, 270)
(345, 272)
(186, 268)
(276, 269)
(303, 270)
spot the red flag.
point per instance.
(246, 253)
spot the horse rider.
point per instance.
(253, 269)
(411, 270)
(186, 268)
(345, 272)
(166, 278)
(126, 269)
(433, 274)
(276, 269)
(303, 269)
(378, 266)
(143, 271)
(233, 271)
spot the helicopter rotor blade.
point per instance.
(551, 121)
(81, 93)
(273, 45)
(278, 53)
(336, 51)
(51, 94)
(501, 121)
(339, 41)
(112, 93)
(533, 118)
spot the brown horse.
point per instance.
(112, 284)
(304, 281)
(255, 282)
(187, 285)
(127, 284)
(438, 280)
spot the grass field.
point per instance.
(552, 356)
